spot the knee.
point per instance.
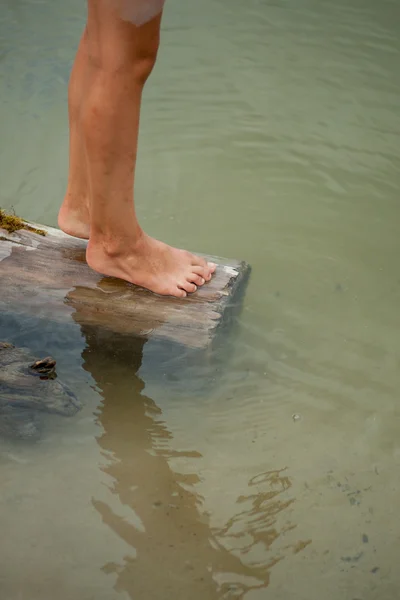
(136, 54)
(145, 57)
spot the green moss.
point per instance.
(41, 232)
(12, 223)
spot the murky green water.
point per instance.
(270, 132)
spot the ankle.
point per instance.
(77, 201)
(117, 243)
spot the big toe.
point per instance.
(208, 267)
(203, 272)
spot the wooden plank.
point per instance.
(48, 276)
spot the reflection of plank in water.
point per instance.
(49, 275)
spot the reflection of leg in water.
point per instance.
(175, 553)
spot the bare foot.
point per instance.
(151, 264)
(74, 219)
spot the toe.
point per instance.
(197, 279)
(206, 271)
(203, 272)
(188, 287)
(198, 262)
(179, 293)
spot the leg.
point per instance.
(121, 57)
(73, 217)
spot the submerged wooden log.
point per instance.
(48, 276)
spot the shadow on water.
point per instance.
(176, 553)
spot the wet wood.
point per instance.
(48, 276)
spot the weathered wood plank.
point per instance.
(48, 276)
